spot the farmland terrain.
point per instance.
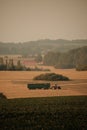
(13, 84)
(54, 113)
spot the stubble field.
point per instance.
(13, 84)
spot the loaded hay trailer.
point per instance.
(38, 85)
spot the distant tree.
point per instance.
(19, 65)
(71, 59)
(1, 61)
(81, 68)
(10, 65)
(2, 65)
(51, 58)
(38, 58)
(66, 60)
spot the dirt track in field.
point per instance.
(14, 84)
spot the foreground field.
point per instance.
(14, 84)
(54, 113)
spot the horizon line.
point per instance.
(43, 39)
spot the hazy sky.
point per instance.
(25, 20)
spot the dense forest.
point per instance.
(75, 58)
(40, 46)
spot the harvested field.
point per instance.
(14, 84)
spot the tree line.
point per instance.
(40, 46)
(9, 65)
(76, 58)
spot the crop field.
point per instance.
(48, 113)
(13, 84)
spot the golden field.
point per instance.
(14, 83)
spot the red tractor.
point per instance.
(56, 87)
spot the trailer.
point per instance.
(38, 85)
